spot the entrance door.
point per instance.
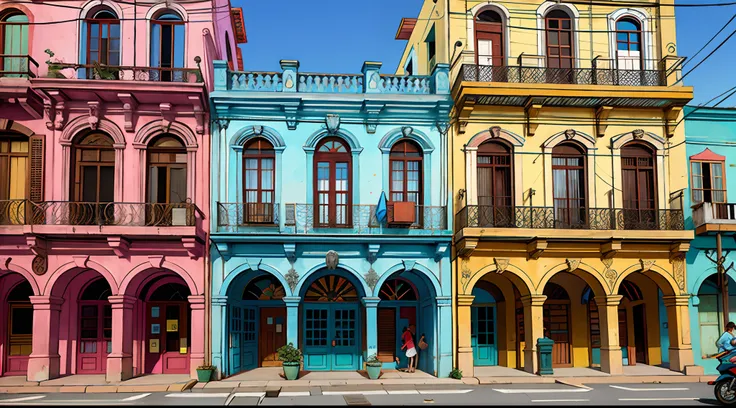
(386, 334)
(271, 336)
(557, 320)
(483, 336)
(20, 338)
(167, 338)
(236, 338)
(95, 337)
(331, 334)
(640, 334)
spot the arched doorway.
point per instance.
(167, 329)
(710, 312)
(95, 328)
(407, 301)
(16, 337)
(556, 320)
(257, 323)
(333, 322)
(484, 329)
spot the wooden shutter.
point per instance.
(37, 164)
(386, 334)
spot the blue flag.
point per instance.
(381, 208)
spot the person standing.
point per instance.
(411, 351)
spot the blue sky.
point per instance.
(338, 35)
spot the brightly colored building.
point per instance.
(567, 171)
(301, 253)
(709, 135)
(104, 196)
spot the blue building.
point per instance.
(710, 135)
(304, 250)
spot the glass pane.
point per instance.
(107, 184)
(22, 321)
(178, 185)
(89, 184)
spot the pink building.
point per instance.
(104, 192)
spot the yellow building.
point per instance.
(566, 170)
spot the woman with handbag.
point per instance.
(411, 351)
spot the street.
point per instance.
(499, 394)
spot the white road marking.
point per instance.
(199, 395)
(536, 391)
(250, 394)
(561, 400)
(35, 397)
(423, 392)
(402, 392)
(659, 399)
(648, 389)
(372, 392)
(294, 394)
(136, 397)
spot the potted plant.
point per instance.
(54, 67)
(106, 72)
(291, 358)
(373, 366)
(204, 373)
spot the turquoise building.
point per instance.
(710, 135)
(304, 250)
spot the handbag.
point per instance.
(423, 344)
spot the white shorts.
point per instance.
(411, 352)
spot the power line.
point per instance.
(692, 58)
(706, 57)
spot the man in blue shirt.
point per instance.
(725, 342)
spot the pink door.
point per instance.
(95, 336)
(167, 338)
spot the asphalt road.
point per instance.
(500, 394)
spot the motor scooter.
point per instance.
(725, 384)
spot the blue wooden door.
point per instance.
(236, 339)
(249, 352)
(483, 336)
(346, 330)
(331, 337)
(317, 337)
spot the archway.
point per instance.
(408, 301)
(257, 323)
(710, 312)
(333, 321)
(16, 335)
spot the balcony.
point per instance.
(232, 216)
(128, 73)
(18, 66)
(479, 216)
(361, 219)
(714, 217)
(67, 213)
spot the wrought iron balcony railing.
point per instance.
(567, 218)
(595, 72)
(127, 73)
(233, 215)
(19, 212)
(360, 219)
(18, 66)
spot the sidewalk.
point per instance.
(97, 383)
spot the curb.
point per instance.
(572, 384)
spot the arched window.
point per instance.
(259, 159)
(167, 171)
(560, 49)
(229, 52)
(167, 47)
(569, 179)
(489, 39)
(639, 185)
(332, 183)
(14, 42)
(495, 188)
(628, 43)
(406, 181)
(103, 38)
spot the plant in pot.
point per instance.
(204, 373)
(373, 366)
(54, 67)
(291, 358)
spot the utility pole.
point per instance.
(722, 279)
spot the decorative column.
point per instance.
(681, 349)
(371, 324)
(44, 361)
(219, 344)
(471, 175)
(533, 329)
(611, 356)
(197, 327)
(464, 346)
(444, 337)
(120, 360)
(292, 320)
